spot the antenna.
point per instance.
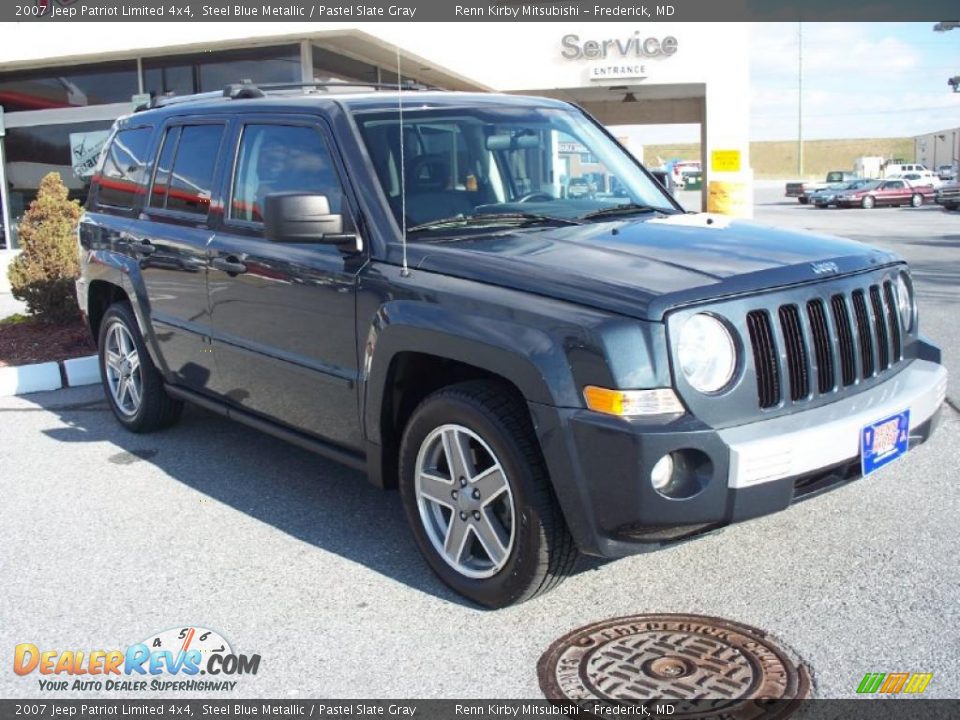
(405, 272)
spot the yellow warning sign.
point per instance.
(725, 161)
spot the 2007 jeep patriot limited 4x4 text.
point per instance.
(400, 282)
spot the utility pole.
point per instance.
(800, 99)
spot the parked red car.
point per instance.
(886, 192)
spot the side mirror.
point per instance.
(293, 217)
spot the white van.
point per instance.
(893, 169)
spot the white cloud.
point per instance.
(859, 80)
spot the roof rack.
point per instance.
(248, 90)
(245, 90)
(170, 98)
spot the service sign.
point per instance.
(85, 150)
(620, 71)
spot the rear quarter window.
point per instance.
(123, 176)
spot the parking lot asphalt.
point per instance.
(109, 537)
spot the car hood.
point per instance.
(645, 266)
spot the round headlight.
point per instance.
(905, 301)
(706, 353)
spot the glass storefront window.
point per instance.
(329, 66)
(32, 152)
(64, 87)
(209, 71)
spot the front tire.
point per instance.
(867, 203)
(916, 200)
(476, 493)
(131, 382)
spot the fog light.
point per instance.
(682, 473)
(662, 472)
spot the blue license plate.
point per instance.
(884, 441)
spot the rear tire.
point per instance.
(131, 382)
(802, 200)
(496, 494)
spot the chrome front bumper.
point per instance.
(795, 445)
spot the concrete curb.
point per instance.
(82, 371)
(40, 377)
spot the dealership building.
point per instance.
(63, 84)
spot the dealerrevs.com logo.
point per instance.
(167, 661)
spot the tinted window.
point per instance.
(124, 168)
(187, 184)
(281, 158)
(76, 86)
(185, 74)
(158, 197)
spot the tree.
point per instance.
(43, 274)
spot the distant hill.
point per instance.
(778, 158)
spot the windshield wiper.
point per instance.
(625, 209)
(493, 219)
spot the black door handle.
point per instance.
(230, 265)
(144, 247)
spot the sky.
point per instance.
(859, 80)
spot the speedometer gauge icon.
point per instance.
(183, 639)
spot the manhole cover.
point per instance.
(703, 667)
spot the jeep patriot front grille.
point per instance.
(824, 345)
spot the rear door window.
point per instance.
(123, 176)
(188, 159)
(161, 180)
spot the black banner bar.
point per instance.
(475, 10)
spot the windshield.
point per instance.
(535, 165)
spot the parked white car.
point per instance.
(923, 178)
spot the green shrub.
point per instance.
(43, 274)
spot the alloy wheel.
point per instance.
(465, 503)
(124, 376)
